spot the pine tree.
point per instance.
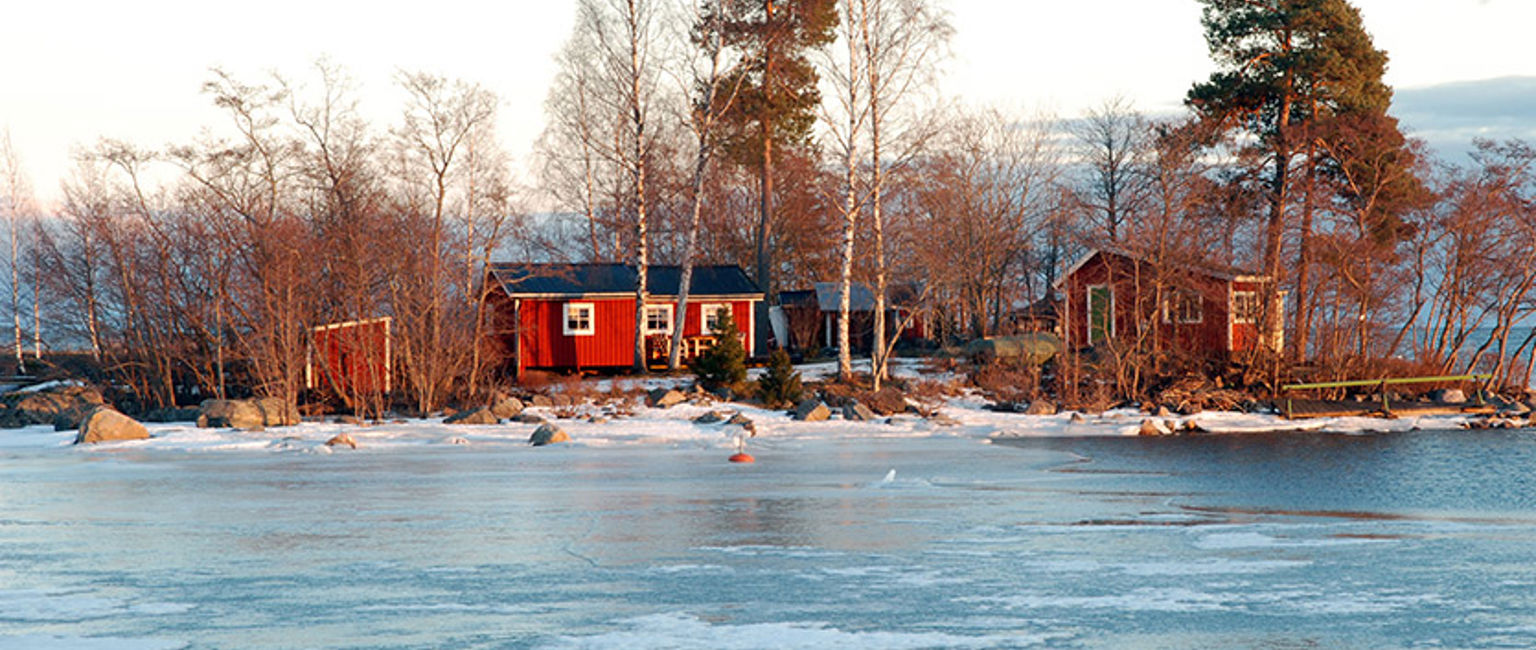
(1284, 66)
(781, 384)
(725, 364)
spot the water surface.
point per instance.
(1421, 539)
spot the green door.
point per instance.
(1101, 310)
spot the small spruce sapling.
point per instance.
(724, 364)
(781, 383)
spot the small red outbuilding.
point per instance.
(582, 316)
(1183, 304)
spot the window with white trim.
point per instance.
(1183, 306)
(658, 319)
(580, 319)
(709, 315)
(1245, 306)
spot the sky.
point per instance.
(73, 71)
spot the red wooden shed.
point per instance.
(350, 358)
(1186, 304)
(582, 316)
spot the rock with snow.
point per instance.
(942, 420)
(171, 415)
(44, 404)
(277, 412)
(812, 410)
(856, 412)
(233, 413)
(106, 424)
(1041, 407)
(508, 408)
(1448, 396)
(548, 434)
(342, 439)
(665, 398)
(709, 418)
(1154, 427)
(475, 416)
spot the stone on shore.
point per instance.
(106, 424)
(277, 412)
(856, 412)
(1448, 396)
(548, 434)
(475, 416)
(233, 413)
(1041, 407)
(812, 410)
(508, 408)
(528, 418)
(47, 405)
(665, 398)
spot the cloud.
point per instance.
(1449, 116)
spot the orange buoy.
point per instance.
(742, 457)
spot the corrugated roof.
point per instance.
(519, 279)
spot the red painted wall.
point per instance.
(1133, 294)
(612, 344)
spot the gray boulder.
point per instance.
(172, 415)
(856, 412)
(812, 410)
(709, 418)
(665, 398)
(507, 408)
(1041, 407)
(106, 424)
(277, 412)
(527, 418)
(1448, 396)
(477, 416)
(235, 413)
(548, 434)
(22, 409)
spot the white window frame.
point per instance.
(1174, 299)
(705, 311)
(591, 313)
(1237, 298)
(665, 308)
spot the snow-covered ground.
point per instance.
(595, 425)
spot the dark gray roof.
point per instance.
(861, 297)
(519, 279)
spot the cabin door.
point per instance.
(1101, 313)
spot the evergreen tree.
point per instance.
(781, 384)
(724, 364)
(775, 106)
(1283, 66)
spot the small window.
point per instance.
(1245, 306)
(710, 316)
(580, 319)
(1181, 306)
(658, 319)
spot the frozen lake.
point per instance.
(1414, 539)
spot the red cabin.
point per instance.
(350, 358)
(582, 316)
(1184, 305)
